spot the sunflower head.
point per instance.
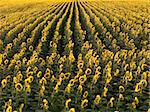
(43, 81)
(18, 87)
(80, 88)
(9, 109)
(80, 65)
(97, 99)
(85, 95)
(6, 62)
(30, 48)
(72, 82)
(84, 103)
(31, 78)
(105, 91)
(121, 97)
(45, 104)
(47, 75)
(72, 110)
(138, 87)
(121, 89)
(88, 71)
(4, 83)
(39, 74)
(67, 103)
(82, 79)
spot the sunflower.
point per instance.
(128, 76)
(67, 103)
(98, 68)
(80, 56)
(125, 68)
(80, 88)
(16, 67)
(110, 103)
(4, 83)
(18, 87)
(76, 76)
(68, 88)
(97, 73)
(144, 83)
(43, 39)
(19, 77)
(28, 69)
(27, 81)
(62, 75)
(47, 75)
(138, 87)
(29, 74)
(40, 60)
(41, 92)
(82, 79)
(95, 78)
(109, 78)
(53, 78)
(9, 109)
(39, 74)
(8, 78)
(144, 76)
(51, 43)
(134, 105)
(54, 55)
(43, 81)
(15, 80)
(97, 99)
(56, 89)
(45, 104)
(59, 81)
(143, 66)
(28, 40)
(6, 62)
(54, 45)
(71, 82)
(30, 48)
(28, 89)
(121, 97)
(80, 65)
(18, 63)
(31, 78)
(4, 55)
(121, 89)
(35, 69)
(9, 46)
(61, 67)
(84, 103)
(24, 60)
(8, 103)
(21, 107)
(105, 91)
(85, 95)
(48, 70)
(71, 57)
(72, 110)
(136, 100)
(116, 73)
(88, 71)
(50, 61)
(42, 63)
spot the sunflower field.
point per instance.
(74, 56)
